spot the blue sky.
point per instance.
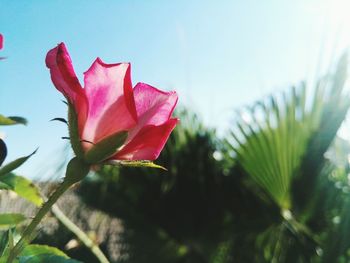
(218, 55)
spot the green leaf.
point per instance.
(22, 186)
(11, 219)
(15, 164)
(271, 146)
(12, 120)
(35, 250)
(106, 148)
(287, 137)
(45, 258)
(137, 164)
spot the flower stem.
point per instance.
(83, 237)
(77, 169)
(27, 233)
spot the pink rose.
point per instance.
(112, 120)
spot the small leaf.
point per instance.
(45, 258)
(60, 119)
(35, 250)
(22, 186)
(14, 164)
(106, 147)
(11, 219)
(12, 120)
(137, 164)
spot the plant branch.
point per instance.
(27, 233)
(83, 237)
(76, 171)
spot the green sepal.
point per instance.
(77, 169)
(144, 163)
(74, 131)
(15, 164)
(12, 120)
(104, 149)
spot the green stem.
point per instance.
(27, 233)
(77, 169)
(83, 237)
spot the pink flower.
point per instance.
(1, 41)
(108, 106)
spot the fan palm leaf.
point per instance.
(275, 136)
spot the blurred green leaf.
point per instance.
(11, 219)
(284, 137)
(270, 147)
(331, 104)
(22, 186)
(35, 250)
(46, 258)
(12, 120)
(15, 164)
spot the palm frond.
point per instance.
(283, 131)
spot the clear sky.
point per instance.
(218, 55)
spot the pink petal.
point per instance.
(65, 80)
(111, 103)
(148, 143)
(1, 41)
(153, 106)
(62, 72)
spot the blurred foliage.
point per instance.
(273, 190)
(188, 213)
(181, 208)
